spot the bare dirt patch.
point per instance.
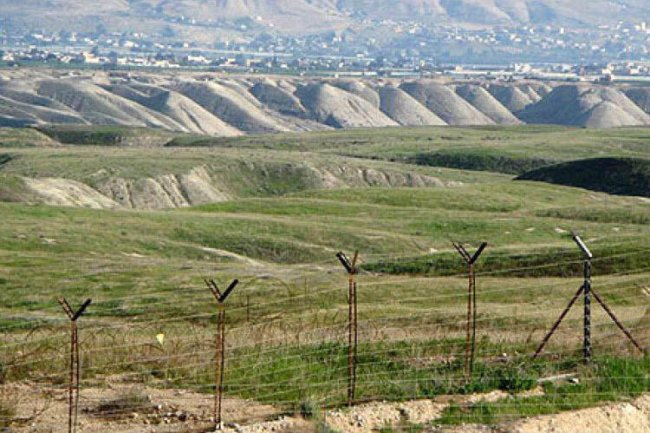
(157, 410)
(118, 407)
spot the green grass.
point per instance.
(402, 428)
(623, 176)
(624, 257)
(481, 161)
(107, 135)
(12, 138)
(237, 172)
(520, 143)
(607, 380)
(279, 234)
(606, 215)
(294, 374)
(13, 189)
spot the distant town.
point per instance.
(605, 53)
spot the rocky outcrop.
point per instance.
(65, 192)
(166, 191)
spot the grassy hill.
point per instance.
(623, 176)
(289, 203)
(510, 150)
(153, 169)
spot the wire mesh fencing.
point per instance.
(288, 341)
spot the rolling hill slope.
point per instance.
(159, 178)
(622, 176)
(512, 97)
(154, 169)
(230, 106)
(640, 96)
(487, 104)
(311, 16)
(404, 109)
(337, 108)
(584, 105)
(219, 105)
(188, 115)
(445, 103)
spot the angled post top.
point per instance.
(74, 315)
(470, 259)
(221, 297)
(350, 266)
(583, 247)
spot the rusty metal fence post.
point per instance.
(586, 287)
(248, 308)
(587, 291)
(470, 326)
(220, 347)
(353, 327)
(74, 376)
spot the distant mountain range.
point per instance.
(309, 16)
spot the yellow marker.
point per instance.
(160, 338)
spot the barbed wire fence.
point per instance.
(288, 345)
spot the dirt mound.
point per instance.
(19, 101)
(278, 98)
(98, 106)
(619, 418)
(486, 104)
(401, 107)
(513, 98)
(640, 96)
(445, 103)
(340, 109)
(187, 114)
(632, 417)
(23, 92)
(35, 114)
(360, 89)
(579, 105)
(374, 416)
(229, 106)
(607, 115)
(240, 86)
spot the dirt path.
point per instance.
(370, 417)
(156, 410)
(180, 411)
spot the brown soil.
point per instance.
(45, 410)
(166, 411)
